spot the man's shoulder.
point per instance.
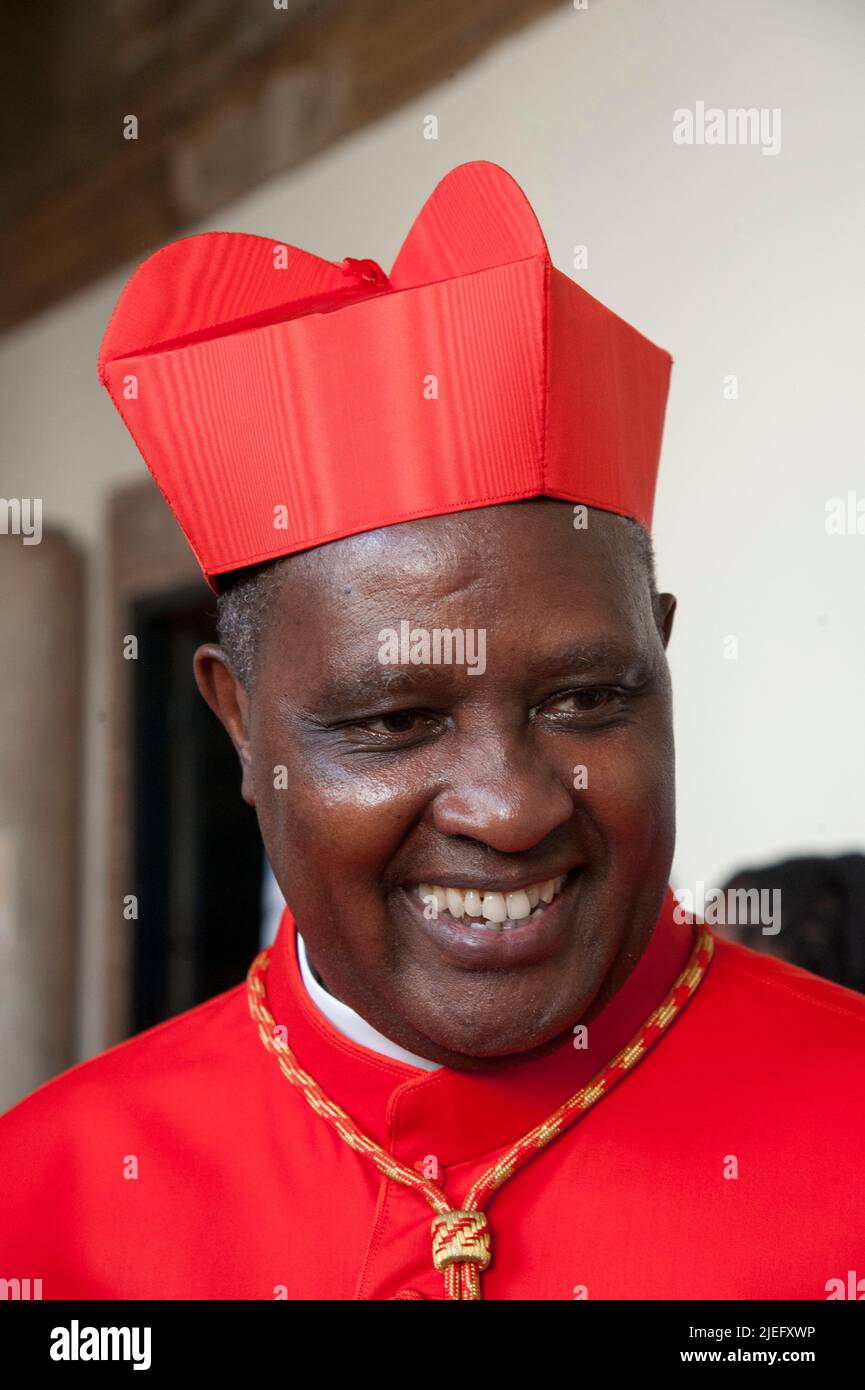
(771, 992)
(180, 1052)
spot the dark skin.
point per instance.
(404, 775)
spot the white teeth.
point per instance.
(518, 905)
(491, 909)
(456, 906)
(548, 890)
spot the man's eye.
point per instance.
(396, 724)
(400, 722)
(583, 701)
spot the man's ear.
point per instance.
(666, 613)
(229, 701)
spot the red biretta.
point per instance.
(703, 1137)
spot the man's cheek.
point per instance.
(361, 831)
(631, 794)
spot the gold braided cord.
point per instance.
(322, 1104)
(615, 1070)
(460, 1235)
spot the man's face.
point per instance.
(555, 760)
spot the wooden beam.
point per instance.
(226, 94)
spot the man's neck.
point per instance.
(350, 1023)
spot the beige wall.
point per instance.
(40, 638)
(737, 262)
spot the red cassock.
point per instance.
(727, 1163)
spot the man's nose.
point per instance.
(504, 794)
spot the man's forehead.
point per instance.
(466, 548)
(515, 569)
(539, 609)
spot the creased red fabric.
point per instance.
(283, 401)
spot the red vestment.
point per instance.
(726, 1164)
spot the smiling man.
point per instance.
(484, 904)
(485, 1056)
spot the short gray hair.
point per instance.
(241, 609)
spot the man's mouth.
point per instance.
(488, 908)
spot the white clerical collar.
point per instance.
(349, 1023)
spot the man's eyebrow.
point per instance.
(374, 680)
(611, 657)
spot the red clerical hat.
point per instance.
(282, 401)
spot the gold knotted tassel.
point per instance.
(461, 1250)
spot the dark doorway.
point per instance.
(197, 850)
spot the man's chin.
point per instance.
(493, 1031)
(493, 1051)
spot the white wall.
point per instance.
(735, 261)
